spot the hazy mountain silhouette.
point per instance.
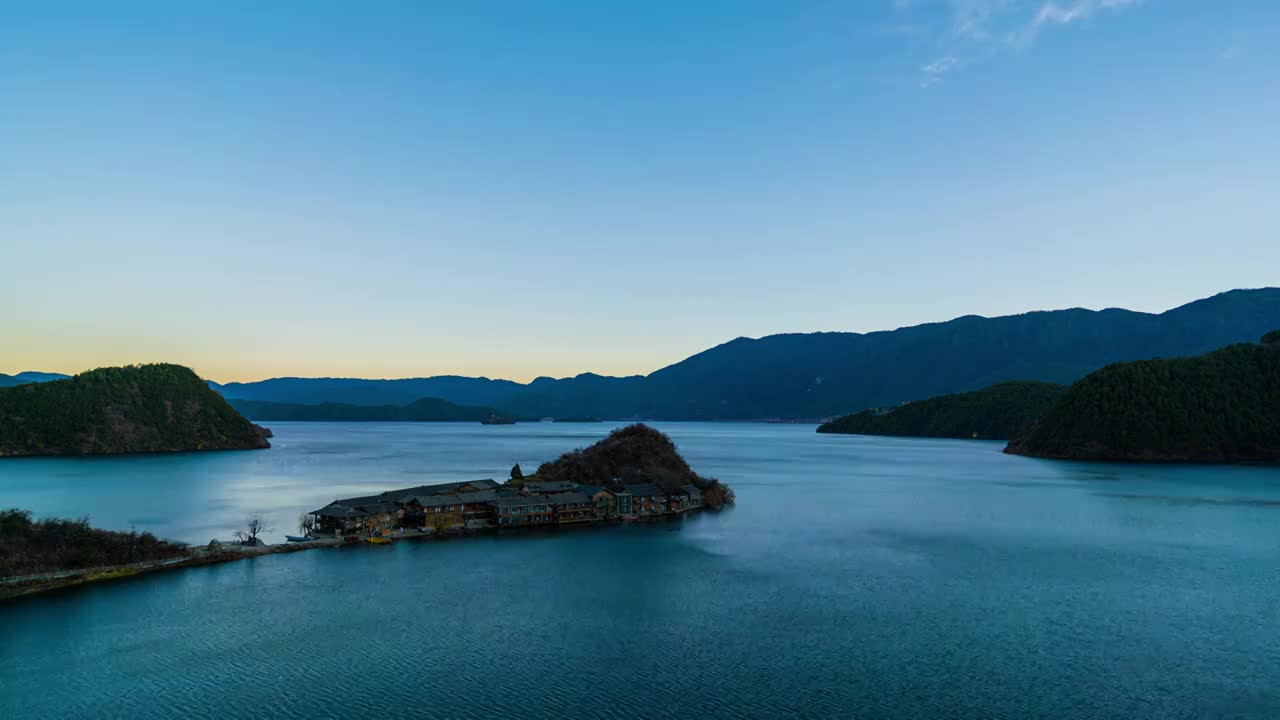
(24, 378)
(815, 375)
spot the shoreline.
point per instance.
(28, 585)
(38, 584)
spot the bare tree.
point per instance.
(306, 523)
(253, 528)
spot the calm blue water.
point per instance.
(858, 577)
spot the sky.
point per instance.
(515, 189)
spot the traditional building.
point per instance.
(602, 500)
(574, 507)
(647, 499)
(477, 507)
(478, 504)
(382, 517)
(623, 504)
(441, 512)
(695, 497)
(338, 519)
(522, 511)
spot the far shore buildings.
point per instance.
(486, 504)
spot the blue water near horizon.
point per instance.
(858, 577)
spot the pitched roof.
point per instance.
(644, 490)
(358, 501)
(693, 491)
(437, 495)
(334, 510)
(573, 498)
(438, 500)
(478, 496)
(404, 494)
(520, 501)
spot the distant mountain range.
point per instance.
(822, 375)
(423, 410)
(818, 375)
(311, 391)
(24, 378)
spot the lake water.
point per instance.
(858, 577)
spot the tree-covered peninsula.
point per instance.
(1220, 407)
(133, 409)
(999, 412)
(631, 455)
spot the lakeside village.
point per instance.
(484, 505)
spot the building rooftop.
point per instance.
(478, 496)
(644, 490)
(404, 495)
(573, 498)
(334, 510)
(520, 501)
(437, 500)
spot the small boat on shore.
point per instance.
(378, 540)
(296, 538)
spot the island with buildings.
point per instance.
(480, 505)
(634, 474)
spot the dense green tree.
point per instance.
(999, 412)
(133, 409)
(1220, 407)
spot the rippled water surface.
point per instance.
(858, 577)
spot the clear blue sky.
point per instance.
(523, 188)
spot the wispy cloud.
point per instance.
(933, 72)
(1051, 13)
(966, 31)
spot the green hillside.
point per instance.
(134, 409)
(999, 412)
(1220, 407)
(634, 454)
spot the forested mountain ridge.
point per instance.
(134, 409)
(799, 376)
(999, 412)
(1223, 406)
